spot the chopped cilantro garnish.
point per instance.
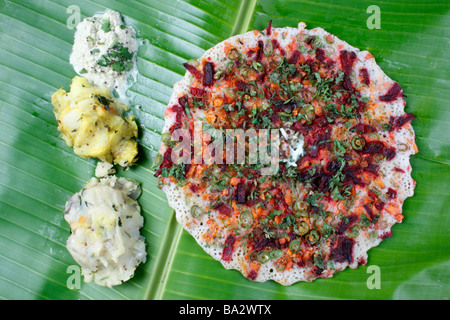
(118, 57)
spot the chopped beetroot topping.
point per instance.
(276, 46)
(347, 60)
(351, 175)
(333, 166)
(391, 193)
(229, 248)
(386, 235)
(394, 92)
(310, 41)
(342, 249)
(275, 120)
(194, 187)
(379, 147)
(403, 119)
(363, 128)
(364, 75)
(269, 28)
(389, 153)
(260, 241)
(349, 222)
(183, 101)
(208, 74)
(369, 212)
(252, 275)
(260, 50)
(166, 162)
(379, 205)
(320, 54)
(193, 70)
(197, 92)
(372, 167)
(294, 58)
(223, 208)
(179, 111)
(241, 193)
(399, 170)
(317, 270)
(374, 147)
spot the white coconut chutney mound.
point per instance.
(104, 52)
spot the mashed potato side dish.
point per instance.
(105, 223)
(91, 122)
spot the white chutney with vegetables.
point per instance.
(105, 221)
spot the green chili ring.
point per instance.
(263, 256)
(313, 237)
(295, 245)
(275, 254)
(302, 228)
(358, 143)
(196, 211)
(246, 219)
(301, 208)
(233, 54)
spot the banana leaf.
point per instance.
(39, 172)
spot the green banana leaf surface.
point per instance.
(38, 172)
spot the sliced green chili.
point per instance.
(313, 237)
(275, 254)
(196, 211)
(246, 219)
(302, 228)
(233, 54)
(263, 256)
(301, 207)
(358, 143)
(295, 245)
